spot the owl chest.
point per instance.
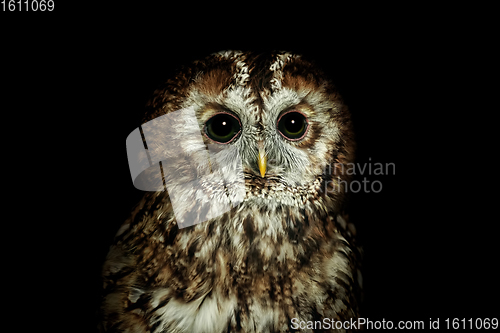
(255, 281)
(257, 296)
(257, 303)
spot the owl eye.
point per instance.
(292, 125)
(223, 127)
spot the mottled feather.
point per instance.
(287, 251)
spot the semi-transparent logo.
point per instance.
(168, 153)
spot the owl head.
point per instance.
(277, 113)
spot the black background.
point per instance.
(429, 250)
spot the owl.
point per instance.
(256, 239)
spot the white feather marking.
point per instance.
(341, 221)
(134, 294)
(158, 295)
(122, 229)
(228, 54)
(360, 279)
(339, 262)
(206, 314)
(241, 76)
(277, 68)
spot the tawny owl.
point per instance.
(243, 228)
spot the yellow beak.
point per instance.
(262, 160)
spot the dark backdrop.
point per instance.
(423, 259)
(429, 248)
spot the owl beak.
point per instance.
(262, 160)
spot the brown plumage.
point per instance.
(285, 251)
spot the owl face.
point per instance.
(282, 249)
(282, 115)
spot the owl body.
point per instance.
(285, 251)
